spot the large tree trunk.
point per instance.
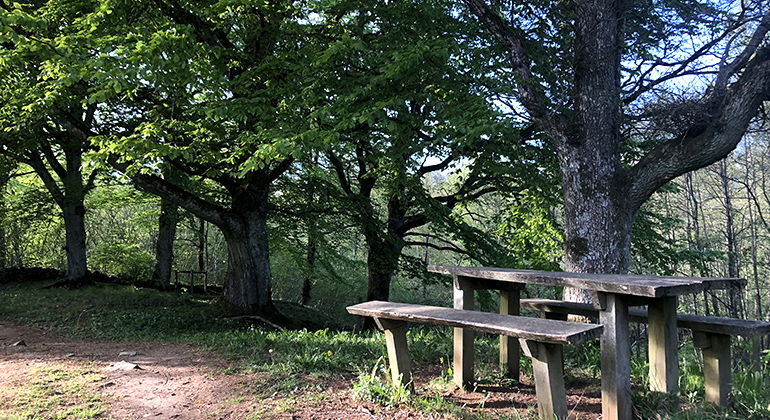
(249, 282)
(70, 198)
(598, 219)
(74, 212)
(382, 262)
(164, 248)
(248, 286)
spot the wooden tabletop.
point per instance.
(627, 284)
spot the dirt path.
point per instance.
(172, 380)
(175, 381)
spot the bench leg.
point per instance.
(717, 372)
(509, 346)
(616, 359)
(547, 360)
(663, 342)
(398, 351)
(463, 338)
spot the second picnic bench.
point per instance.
(541, 340)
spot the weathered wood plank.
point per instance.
(543, 330)
(615, 360)
(463, 355)
(398, 351)
(712, 324)
(662, 342)
(627, 284)
(509, 346)
(717, 372)
(549, 379)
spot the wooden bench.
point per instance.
(541, 339)
(710, 334)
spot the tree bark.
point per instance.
(248, 288)
(4, 177)
(75, 229)
(312, 252)
(70, 198)
(598, 219)
(164, 247)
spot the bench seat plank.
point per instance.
(710, 324)
(536, 329)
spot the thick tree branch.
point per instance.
(53, 162)
(705, 143)
(41, 170)
(426, 169)
(204, 30)
(182, 198)
(339, 169)
(440, 247)
(530, 91)
(279, 169)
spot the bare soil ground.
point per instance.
(175, 381)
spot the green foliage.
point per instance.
(127, 261)
(531, 235)
(374, 386)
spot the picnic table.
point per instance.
(612, 295)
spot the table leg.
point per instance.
(616, 360)
(663, 341)
(509, 346)
(463, 339)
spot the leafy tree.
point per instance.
(45, 111)
(584, 72)
(214, 91)
(405, 103)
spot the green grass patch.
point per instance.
(54, 393)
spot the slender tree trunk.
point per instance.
(732, 253)
(74, 212)
(164, 248)
(312, 252)
(3, 231)
(749, 175)
(201, 245)
(75, 230)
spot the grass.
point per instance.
(55, 392)
(298, 364)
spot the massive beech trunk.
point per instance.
(382, 262)
(248, 286)
(164, 247)
(601, 197)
